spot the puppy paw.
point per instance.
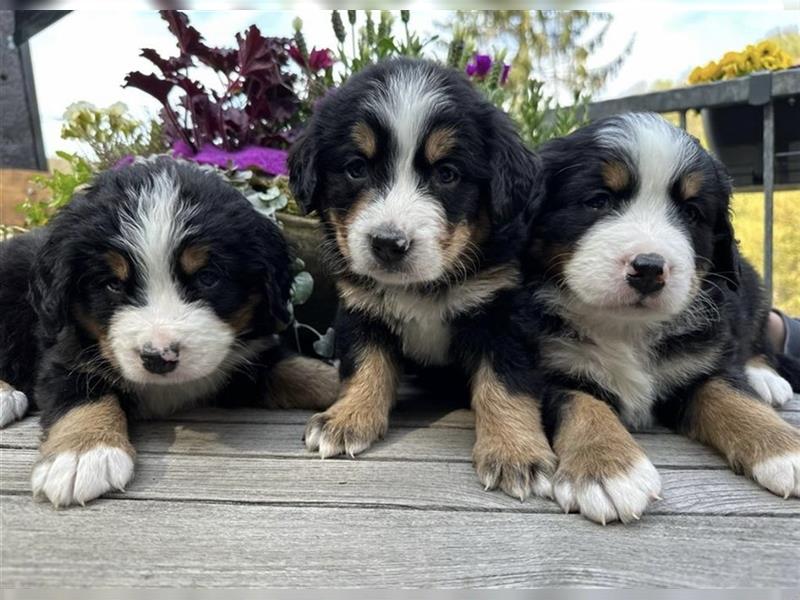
(518, 474)
(604, 499)
(780, 474)
(69, 478)
(771, 387)
(13, 405)
(336, 432)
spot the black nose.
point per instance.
(389, 245)
(159, 360)
(648, 273)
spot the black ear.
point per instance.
(52, 282)
(726, 250)
(516, 176)
(303, 170)
(274, 262)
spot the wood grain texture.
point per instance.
(418, 485)
(123, 542)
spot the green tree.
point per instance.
(548, 45)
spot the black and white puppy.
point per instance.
(423, 186)
(157, 288)
(644, 312)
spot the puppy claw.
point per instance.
(330, 435)
(517, 480)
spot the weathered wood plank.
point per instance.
(279, 440)
(180, 544)
(427, 485)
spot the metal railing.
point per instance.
(759, 89)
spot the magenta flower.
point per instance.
(125, 161)
(320, 59)
(480, 67)
(504, 74)
(317, 59)
(268, 160)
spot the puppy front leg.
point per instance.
(84, 454)
(511, 449)
(361, 414)
(751, 436)
(602, 471)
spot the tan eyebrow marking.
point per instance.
(119, 265)
(439, 144)
(364, 137)
(616, 175)
(691, 184)
(193, 259)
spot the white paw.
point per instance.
(772, 388)
(69, 478)
(780, 474)
(321, 435)
(13, 405)
(622, 498)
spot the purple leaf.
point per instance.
(151, 84)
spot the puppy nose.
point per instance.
(647, 273)
(389, 245)
(160, 360)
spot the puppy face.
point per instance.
(636, 216)
(166, 270)
(399, 163)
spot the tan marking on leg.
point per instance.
(511, 449)
(365, 139)
(300, 382)
(616, 176)
(361, 414)
(119, 265)
(439, 144)
(691, 184)
(194, 258)
(98, 423)
(6, 387)
(592, 442)
(743, 429)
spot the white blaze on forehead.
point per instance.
(404, 104)
(152, 233)
(657, 153)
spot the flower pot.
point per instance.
(735, 136)
(305, 237)
(15, 187)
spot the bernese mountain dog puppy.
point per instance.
(423, 187)
(643, 312)
(157, 288)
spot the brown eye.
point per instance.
(115, 286)
(356, 168)
(598, 202)
(207, 279)
(692, 213)
(446, 174)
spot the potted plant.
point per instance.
(735, 133)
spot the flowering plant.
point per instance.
(764, 56)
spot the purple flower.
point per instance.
(268, 160)
(125, 161)
(320, 59)
(480, 67)
(504, 74)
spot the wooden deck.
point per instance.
(231, 498)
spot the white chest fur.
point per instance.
(422, 322)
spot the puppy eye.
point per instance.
(207, 279)
(598, 202)
(356, 168)
(691, 212)
(446, 174)
(115, 286)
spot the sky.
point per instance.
(86, 55)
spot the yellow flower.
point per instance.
(754, 57)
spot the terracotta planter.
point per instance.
(305, 237)
(735, 135)
(15, 186)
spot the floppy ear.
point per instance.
(303, 170)
(274, 263)
(52, 283)
(726, 250)
(517, 182)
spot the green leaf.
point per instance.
(302, 288)
(324, 346)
